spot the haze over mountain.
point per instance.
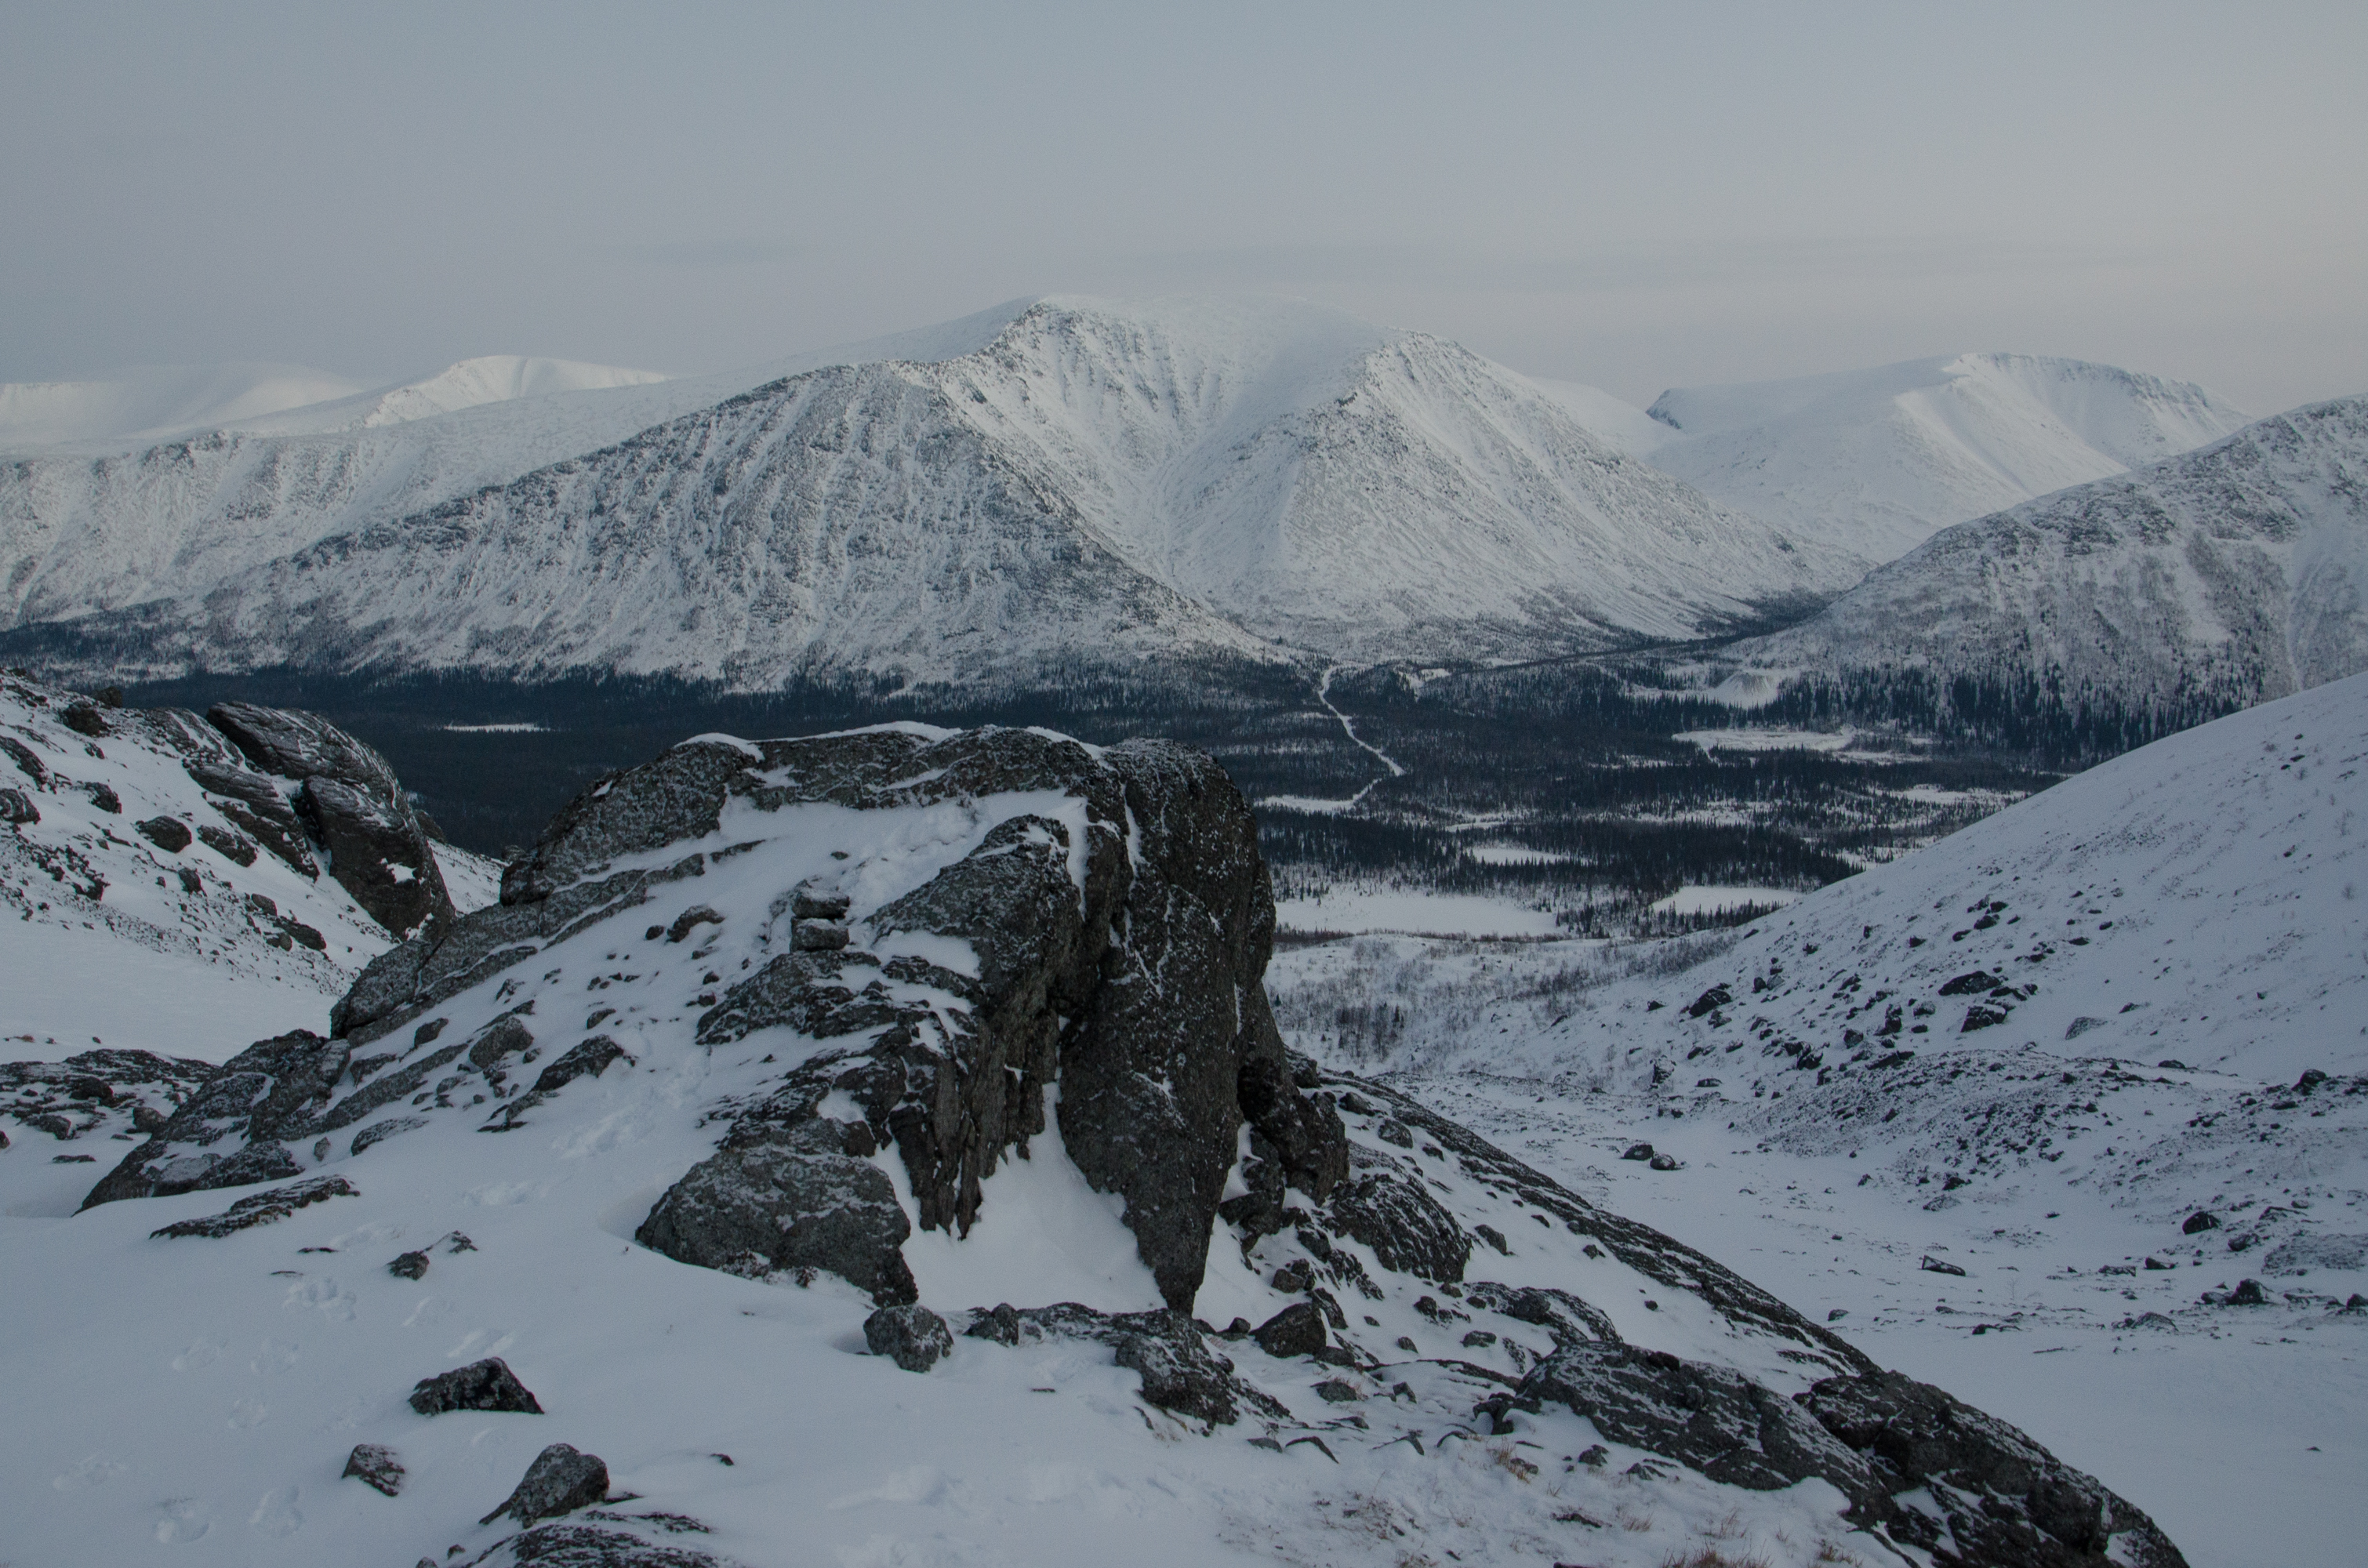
(1875, 461)
(153, 402)
(2223, 578)
(1128, 476)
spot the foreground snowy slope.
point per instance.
(2133, 911)
(2206, 581)
(1133, 476)
(1874, 461)
(128, 520)
(2036, 1052)
(907, 1052)
(161, 890)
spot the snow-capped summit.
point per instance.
(1876, 460)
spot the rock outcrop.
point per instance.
(352, 805)
(1113, 921)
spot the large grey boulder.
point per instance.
(1711, 1417)
(793, 1199)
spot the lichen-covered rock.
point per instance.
(560, 1481)
(261, 1209)
(1711, 1417)
(488, 1384)
(1388, 1209)
(1999, 1496)
(348, 801)
(913, 1336)
(375, 1466)
(797, 1200)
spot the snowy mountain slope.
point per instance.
(2220, 577)
(1171, 475)
(1874, 461)
(128, 521)
(2131, 912)
(154, 401)
(144, 909)
(1393, 1402)
(2198, 901)
(1612, 420)
(1364, 492)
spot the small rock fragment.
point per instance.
(410, 1265)
(1934, 1266)
(1638, 1152)
(375, 1466)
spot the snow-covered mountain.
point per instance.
(117, 523)
(1874, 461)
(2215, 578)
(153, 402)
(163, 889)
(1122, 477)
(924, 1118)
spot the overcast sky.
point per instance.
(1637, 197)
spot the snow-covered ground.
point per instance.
(2030, 1052)
(1354, 909)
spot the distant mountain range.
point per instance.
(1070, 483)
(1075, 480)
